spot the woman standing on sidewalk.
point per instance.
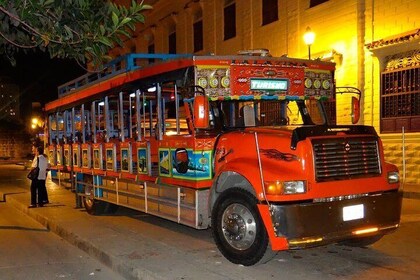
(38, 188)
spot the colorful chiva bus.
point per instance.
(246, 145)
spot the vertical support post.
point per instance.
(65, 128)
(57, 134)
(159, 112)
(121, 116)
(145, 197)
(178, 129)
(93, 117)
(82, 122)
(138, 116)
(107, 119)
(179, 204)
(130, 117)
(73, 132)
(49, 129)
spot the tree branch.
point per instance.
(16, 44)
(33, 31)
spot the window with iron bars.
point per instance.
(400, 94)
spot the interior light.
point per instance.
(151, 89)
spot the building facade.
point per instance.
(9, 100)
(374, 43)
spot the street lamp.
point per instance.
(309, 38)
(35, 123)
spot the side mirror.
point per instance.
(201, 112)
(355, 108)
(356, 95)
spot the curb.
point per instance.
(411, 195)
(102, 256)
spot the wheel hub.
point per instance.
(238, 226)
(235, 227)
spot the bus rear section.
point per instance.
(244, 144)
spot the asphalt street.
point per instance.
(140, 246)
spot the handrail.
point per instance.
(122, 64)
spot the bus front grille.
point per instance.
(341, 159)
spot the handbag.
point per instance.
(33, 174)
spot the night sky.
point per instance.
(38, 76)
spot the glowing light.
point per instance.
(366, 230)
(306, 241)
(309, 36)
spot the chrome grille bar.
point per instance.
(341, 159)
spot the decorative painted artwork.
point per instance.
(191, 165)
(66, 158)
(51, 157)
(97, 159)
(85, 158)
(142, 162)
(58, 157)
(109, 159)
(125, 160)
(76, 156)
(164, 162)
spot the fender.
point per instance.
(245, 168)
(277, 243)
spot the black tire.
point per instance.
(362, 241)
(238, 230)
(93, 206)
(98, 207)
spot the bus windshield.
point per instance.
(240, 114)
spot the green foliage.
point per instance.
(84, 30)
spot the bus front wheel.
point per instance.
(238, 230)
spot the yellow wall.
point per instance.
(343, 26)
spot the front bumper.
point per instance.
(318, 223)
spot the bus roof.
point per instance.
(130, 68)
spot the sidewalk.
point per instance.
(136, 245)
(411, 191)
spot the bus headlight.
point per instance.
(285, 187)
(393, 177)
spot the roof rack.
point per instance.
(122, 64)
(255, 52)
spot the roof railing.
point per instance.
(122, 64)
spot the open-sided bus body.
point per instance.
(241, 144)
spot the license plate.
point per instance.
(353, 212)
